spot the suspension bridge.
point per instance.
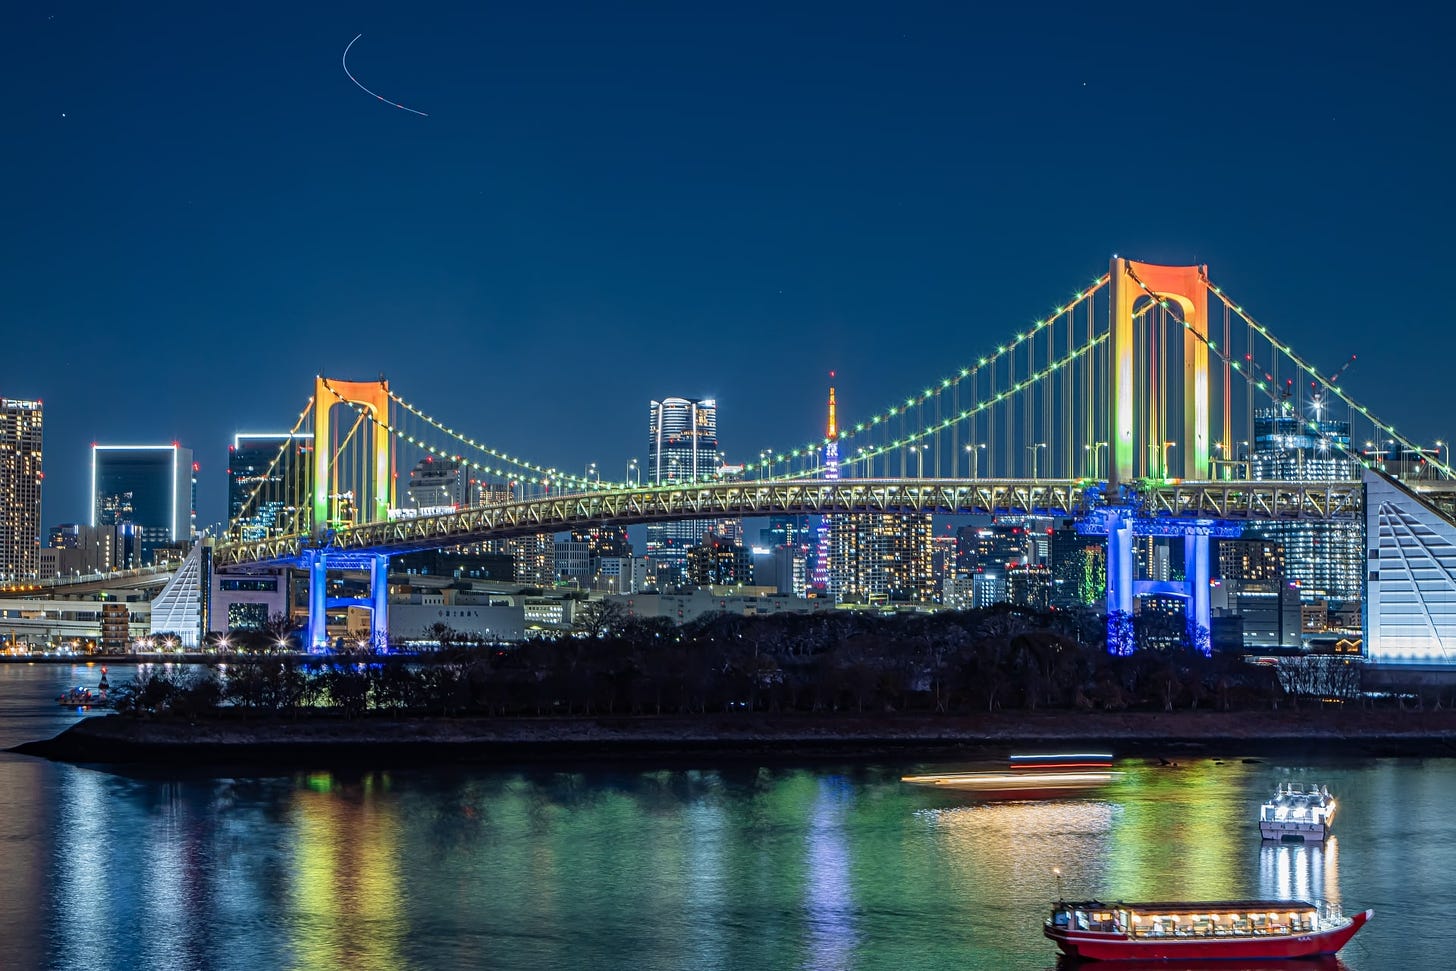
(1132, 407)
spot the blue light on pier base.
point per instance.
(1120, 525)
(379, 602)
(317, 562)
(317, 634)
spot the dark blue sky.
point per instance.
(618, 201)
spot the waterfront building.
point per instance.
(534, 558)
(1029, 585)
(884, 558)
(1326, 558)
(153, 487)
(942, 562)
(464, 563)
(688, 606)
(988, 586)
(1251, 584)
(784, 531)
(1074, 564)
(492, 493)
(264, 469)
(438, 485)
(1409, 614)
(572, 561)
(958, 592)
(719, 561)
(77, 549)
(682, 446)
(791, 569)
(21, 427)
(994, 545)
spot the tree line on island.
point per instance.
(999, 658)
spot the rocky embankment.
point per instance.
(380, 741)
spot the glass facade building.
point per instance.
(682, 446)
(153, 487)
(260, 470)
(1326, 559)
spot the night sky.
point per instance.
(613, 202)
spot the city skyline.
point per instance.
(898, 173)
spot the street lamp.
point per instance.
(591, 473)
(919, 451)
(1096, 450)
(763, 464)
(631, 469)
(974, 451)
(1033, 450)
(1445, 462)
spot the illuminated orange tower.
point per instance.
(1188, 287)
(373, 396)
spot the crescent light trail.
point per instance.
(345, 61)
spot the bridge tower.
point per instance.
(1188, 287)
(373, 398)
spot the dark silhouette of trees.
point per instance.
(999, 658)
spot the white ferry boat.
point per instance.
(1297, 813)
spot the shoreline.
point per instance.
(321, 740)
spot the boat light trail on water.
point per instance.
(345, 61)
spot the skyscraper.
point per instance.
(682, 440)
(21, 425)
(151, 486)
(1325, 558)
(682, 446)
(439, 485)
(265, 479)
(872, 558)
(883, 558)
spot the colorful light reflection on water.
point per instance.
(824, 867)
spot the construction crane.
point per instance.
(1335, 378)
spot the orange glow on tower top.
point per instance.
(833, 421)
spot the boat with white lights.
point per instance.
(1297, 813)
(1250, 930)
(1029, 776)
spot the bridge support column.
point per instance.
(1120, 580)
(317, 635)
(1195, 572)
(379, 602)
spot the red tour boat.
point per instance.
(1199, 930)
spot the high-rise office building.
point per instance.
(719, 560)
(1325, 558)
(151, 486)
(682, 446)
(1029, 585)
(1252, 586)
(439, 484)
(78, 549)
(682, 441)
(21, 424)
(267, 473)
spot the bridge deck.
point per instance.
(1213, 500)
